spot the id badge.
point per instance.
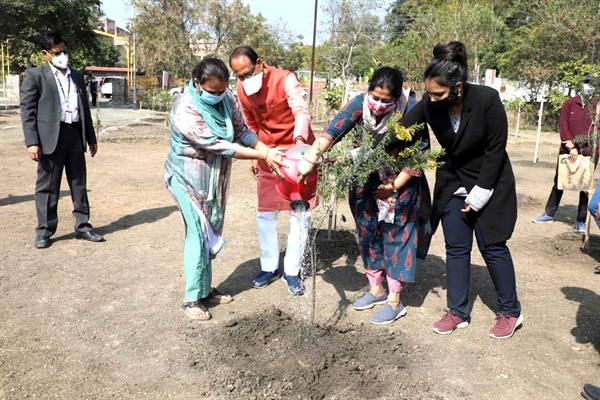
(68, 117)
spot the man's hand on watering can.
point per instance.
(274, 158)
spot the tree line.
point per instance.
(538, 42)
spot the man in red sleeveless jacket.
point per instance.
(273, 103)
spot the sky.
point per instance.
(295, 15)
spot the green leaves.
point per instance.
(24, 21)
(344, 166)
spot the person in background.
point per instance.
(273, 103)
(388, 207)
(58, 129)
(575, 121)
(412, 100)
(93, 87)
(207, 130)
(475, 189)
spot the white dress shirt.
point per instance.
(67, 92)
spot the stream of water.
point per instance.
(307, 267)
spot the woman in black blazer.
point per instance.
(475, 187)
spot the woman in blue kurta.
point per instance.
(387, 209)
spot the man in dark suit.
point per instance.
(58, 128)
(93, 86)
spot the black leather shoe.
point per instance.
(89, 235)
(590, 392)
(42, 243)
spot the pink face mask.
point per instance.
(379, 108)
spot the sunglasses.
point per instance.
(57, 53)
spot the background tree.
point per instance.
(166, 28)
(163, 30)
(351, 30)
(553, 32)
(426, 23)
(24, 21)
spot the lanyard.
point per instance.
(65, 96)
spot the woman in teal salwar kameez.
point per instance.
(207, 130)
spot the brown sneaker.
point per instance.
(505, 326)
(449, 323)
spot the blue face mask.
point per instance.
(211, 99)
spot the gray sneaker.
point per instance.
(387, 314)
(541, 219)
(369, 300)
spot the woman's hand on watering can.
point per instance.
(274, 158)
(305, 167)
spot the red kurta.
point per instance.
(269, 114)
(575, 121)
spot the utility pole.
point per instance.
(7, 59)
(4, 95)
(314, 46)
(133, 55)
(539, 129)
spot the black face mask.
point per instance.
(452, 98)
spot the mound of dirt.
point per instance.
(273, 356)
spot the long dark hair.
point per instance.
(449, 64)
(209, 68)
(389, 78)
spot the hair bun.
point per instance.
(451, 51)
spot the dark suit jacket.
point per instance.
(475, 155)
(40, 109)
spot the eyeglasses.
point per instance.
(247, 75)
(57, 53)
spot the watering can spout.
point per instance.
(299, 205)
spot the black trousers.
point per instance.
(70, 156)
(94, 97)
(458, 233)
(555, 196)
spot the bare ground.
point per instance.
(101, 321)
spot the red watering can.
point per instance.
(289, 184)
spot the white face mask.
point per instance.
(253, 84)
(588, 90)
(61, 61)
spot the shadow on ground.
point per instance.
(27, 197)
(587, 329)
(337, 260)
(147, 216)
